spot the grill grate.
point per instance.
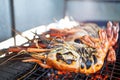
(13, 68)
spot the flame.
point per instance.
(62, 72)
(99, 76)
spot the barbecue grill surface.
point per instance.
(13, 68)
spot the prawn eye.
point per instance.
(77, 40)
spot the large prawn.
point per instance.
(78, 53)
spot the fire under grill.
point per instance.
(14, 69)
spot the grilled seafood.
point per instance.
(80, 49)
(66, 57)
(84, 54)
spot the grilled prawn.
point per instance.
(79, 53)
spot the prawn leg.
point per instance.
(38, 62)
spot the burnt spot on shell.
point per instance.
(79, 50)
(82, 65)
(95, 59)
(83, 50)
(59, 57)
(88, 64)
(86, 52)
(83, 60)
(77, 40)
(69, 61)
